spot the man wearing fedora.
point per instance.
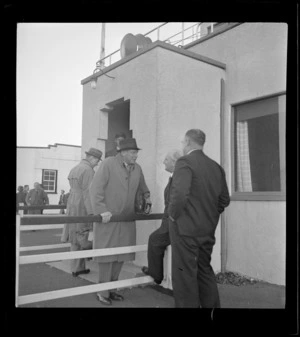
(118, 137)
(113, 192)
(79, 204)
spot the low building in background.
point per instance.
(48, 166)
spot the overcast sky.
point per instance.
(52, 59)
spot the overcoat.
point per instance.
(114, 189)
(79, 203)
(36, 198)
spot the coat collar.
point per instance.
(86, 162)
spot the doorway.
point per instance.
(118, 122)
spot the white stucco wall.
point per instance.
(31, 162)
(255, 55)
(169, 94)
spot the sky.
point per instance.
(52, 59)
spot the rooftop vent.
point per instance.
(132, 43)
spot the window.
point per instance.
(259, 154)
(49, 180)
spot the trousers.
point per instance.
(108, 272)
(158, 241)
(193, 279)
(81, 243)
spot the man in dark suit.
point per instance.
(159, 240)
(118, 137)
(198, 196)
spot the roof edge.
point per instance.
(150, 47)
(47, 147)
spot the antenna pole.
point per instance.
(102, 52)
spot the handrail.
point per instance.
(39, 207)
(61, 219)
(197, 24)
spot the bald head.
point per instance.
(170, 160)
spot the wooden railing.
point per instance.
(43, 222)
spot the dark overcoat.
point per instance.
(114, 189)
(36, 197)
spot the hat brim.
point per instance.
(92, 154)
(129, 148)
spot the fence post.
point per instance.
(18, 223)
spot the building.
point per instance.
(49, 166)
(230, 83)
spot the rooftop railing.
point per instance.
(183, 37)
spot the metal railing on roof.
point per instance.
(195, 32)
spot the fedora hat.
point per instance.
(128, 144)
(94, 152)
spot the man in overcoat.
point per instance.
(79, 204)
(61, 201)
(36, 197)
(113, 192)
(159, 240)
(198, 196)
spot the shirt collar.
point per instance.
(194, 150)
(191, 151)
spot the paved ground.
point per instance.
(42, 277)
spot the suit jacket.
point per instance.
(198, 195)
(165, 221)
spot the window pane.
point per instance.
(257, 163)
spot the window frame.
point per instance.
(272, 195)
(55, 181)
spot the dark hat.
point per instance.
(94, 152)
(120, 134)
(128, 144)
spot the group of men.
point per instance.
(34, 197)
(195, 196)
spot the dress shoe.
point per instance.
(85, 271)
(116, 297)
(145, 270)
(104, 300)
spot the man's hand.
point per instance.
(106, 217)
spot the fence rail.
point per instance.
(29, 222)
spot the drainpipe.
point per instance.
(222, 160)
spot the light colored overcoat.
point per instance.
(79, 203)
(114, 189)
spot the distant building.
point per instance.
(230, 83)
(48, 166)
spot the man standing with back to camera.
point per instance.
(198, 196)
(79, 204)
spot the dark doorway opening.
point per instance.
(118, 122)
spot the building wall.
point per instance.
(255, 55)
(169, 93)
(31, 162)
